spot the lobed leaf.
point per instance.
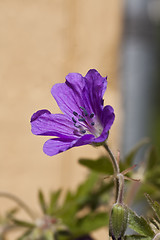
(101, 165)
(139, 224)
(155, 206)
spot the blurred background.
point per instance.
(40, 43)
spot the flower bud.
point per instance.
(118, 221)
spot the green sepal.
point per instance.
(118, 221)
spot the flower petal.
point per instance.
(94, 90)
(68, 95)
(45, 123)
(85, 139)
(108, 117)
(56, 145)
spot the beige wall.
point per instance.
(41, 41)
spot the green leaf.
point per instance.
(155, 206)
(23, 223)
(137, 237)
(139, 224)
(42, 202)
(101, 165)
(131, 155)
(153, 176)
(53, 202)
(91, 222)
(148, 187)
(11, 212)
(25, 235)
(48, 235)
(87, 186)
(152, 159)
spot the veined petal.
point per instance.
(68, 95)
(85, 139)
(45, 123)
(76, 82)
(56, 145)
(94, 90)
(108, 117)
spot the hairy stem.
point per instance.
(119, 180)
(113, 159)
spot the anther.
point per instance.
(92, 123)
(77, 126)
(83, 131)
(74, 120)
(81, 119)
(84, 111)
(91, 115)
(75, 113)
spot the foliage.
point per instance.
(79, 213)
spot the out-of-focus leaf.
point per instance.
(91, 222)
(25, 235)
(11, 212)
(48, 235)
(139, 224)
(101, 165)
(53, 202)
(73, 201)
(131, 155)
(42, 202)
(86, 187)
(154, 205)
(152, 159)
(62, 235)
(149, 188)
(137, 237)
(153, 176)
(23, 223)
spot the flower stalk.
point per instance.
(119, 178)
(119, 213)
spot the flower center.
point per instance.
(86, 123)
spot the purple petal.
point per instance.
(108, 117)
(94, 90)
(45, 123)
(85, 139)
(56, 145)
(68, 95)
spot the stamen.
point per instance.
(91, 115)
(75, 113)
(81, 119)
(83, 131)
(92, 123)
(74, 120)
(84, 111)
(77, 126)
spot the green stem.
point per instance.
(119, 182)
(120, 179)
(19, 202)
(113, 159)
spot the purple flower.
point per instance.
(84, 119)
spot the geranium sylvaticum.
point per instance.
(84, 120)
